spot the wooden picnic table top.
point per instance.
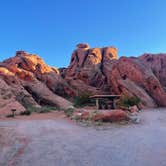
(105, 96)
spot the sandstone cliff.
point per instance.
(99, 71)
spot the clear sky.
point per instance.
(52, 28)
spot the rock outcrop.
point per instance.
(88, 68)
(30, 82)
(157, 63)
(99, 71)
(131, 77)
(26, 80)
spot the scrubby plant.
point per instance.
(46, 109)
(82, 99)
(92, 114)
(31, 109)
(25, 113)
(126, 101)
(69, 112)
(9, 116)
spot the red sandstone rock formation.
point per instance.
(88, 67)
(31, 82)
(26, 80)
(99, 71)
(157, 63)
(103, 115)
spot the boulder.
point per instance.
(83, 46)
(111, 116)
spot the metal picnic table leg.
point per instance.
(97, 103)
(114, 104)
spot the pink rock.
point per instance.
(111, 116)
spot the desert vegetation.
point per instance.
(126, 102)
(44, 109)
(83, 99)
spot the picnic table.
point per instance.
(112, 98)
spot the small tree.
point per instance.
(127, 101)
(82, 99)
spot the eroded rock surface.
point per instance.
(88, 66)
(99, 71)
(27, 81)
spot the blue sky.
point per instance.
(52, 28)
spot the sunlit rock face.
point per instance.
(99, 71)
(32, 82)
(87, 68)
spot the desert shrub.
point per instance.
(44, 109)
(69, 112)
(25, 113)
(29, 110)
(10, 116)
(82, 99)
(127, 101)
(32, 109)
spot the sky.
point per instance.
(53, 28)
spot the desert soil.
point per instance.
(53, 140)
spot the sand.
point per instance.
(51, 139)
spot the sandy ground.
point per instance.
(48, 141)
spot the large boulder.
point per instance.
(111, 116)
(102, 115)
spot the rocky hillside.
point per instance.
(26, 80)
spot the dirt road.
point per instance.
(58, 142)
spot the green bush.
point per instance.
(46, 109)
(82, 99)
(25, 113)
(127, 101)
(29, 110)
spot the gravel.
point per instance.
(58, 142)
